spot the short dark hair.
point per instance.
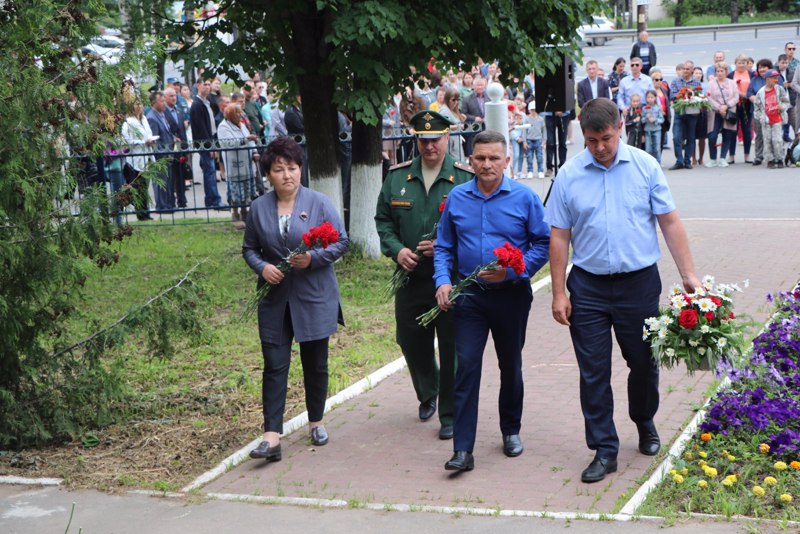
(764, 63)
(599, 114)
(154, 96)
(487, 137)
(284, 148)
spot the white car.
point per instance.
(596, 24)
(108, 47)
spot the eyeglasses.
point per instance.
(248, 87)
(636, 64)
(791, 48)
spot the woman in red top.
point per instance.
(662, 97)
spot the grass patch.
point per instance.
(711, 20)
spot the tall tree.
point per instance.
(352, 55)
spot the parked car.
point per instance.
(108, 47)
(597, 23)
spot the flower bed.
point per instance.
(744, 458)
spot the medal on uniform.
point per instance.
(403, 192)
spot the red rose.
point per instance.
(732, 316)
(688, 319)
(709, 316)
(716, 300)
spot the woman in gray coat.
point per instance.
(304, 302)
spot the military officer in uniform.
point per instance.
(408, 208)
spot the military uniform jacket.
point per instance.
(406, 212)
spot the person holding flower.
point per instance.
(606, 204)
(684, 124)
(303, 301)
(480, 217)
(407, 211)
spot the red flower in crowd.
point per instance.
(508, 256)
(322, 235)
(688, 319)
(182, 159)
(441, 207)
(709, 316)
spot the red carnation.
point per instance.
(716, 300)
(182, 159)
(322, 235)
(688, 319)
(709, 316)
(732, 316)
(508, 256)
(441, 207)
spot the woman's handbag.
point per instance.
(730, 115)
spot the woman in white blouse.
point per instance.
(140, 139)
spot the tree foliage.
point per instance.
(59, 112)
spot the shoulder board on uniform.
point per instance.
(463, 167)
(401, 165)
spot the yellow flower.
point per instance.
(795, 465)
(731, 458)
(678, 479)
(763, 448)
(703, 454)
(702, 463)
(705, 437)
(770, 481)
(702, 484)
(688, 456)
(727, 482)
(758, 491)
(780, 466)
(673, 472)
(710, 472)
(684, 471)
(786, 498)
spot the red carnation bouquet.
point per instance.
(320, 236)
(401, 276)
(506, 256)
(697, 328)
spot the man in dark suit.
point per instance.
(204, 133)
(164, 193)
(474, 107)
(178, 130)
(593, 86)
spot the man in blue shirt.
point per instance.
(606, 202)
(637, 83)
(684, 125)
(480, 216)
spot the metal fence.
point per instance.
(714, 29)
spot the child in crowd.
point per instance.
(517, 138)
(771, 104)
(653, 119)
(535, 137)
(633, 121)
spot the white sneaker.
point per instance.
(541, 175)
(529, 175)
(722, 163)
(712, 163)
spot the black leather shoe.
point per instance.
(512, 445)
(649, 442)
(461, 461)
(676, 167)
(758, 162)
(687, 166)
(319, 436)
(427, 409)
(598, 469)
(270, 454)
(446, 432)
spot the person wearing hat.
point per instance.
(771, 103)
(407, 212)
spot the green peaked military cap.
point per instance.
(428, 124)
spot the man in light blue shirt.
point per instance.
(480, 216)
(637, 82)
(606, 202)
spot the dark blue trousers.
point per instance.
(621, 302)
(503, 312)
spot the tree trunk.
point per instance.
(366, 180)
(679, 12)
(319, 114)
(734, 12)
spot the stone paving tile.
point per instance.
(379, 452)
